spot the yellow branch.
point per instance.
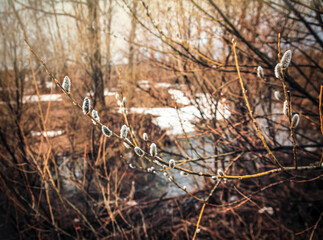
(249, 108)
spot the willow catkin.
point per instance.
(119, 103)
(126, 144)
(171, 163)
(106, 131)
(183, 173)
(131, 166)
(277, 95)
(139, 151)
(285, 108)
(153, 150)
(66, 85)
(295, 120)
(95, 115)
(124, 131)
(220, 173)
(260, 72)
(151, 169)
(278, 70)
(145, 136)
(86, 105)
(286, 59)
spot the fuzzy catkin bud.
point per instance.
(172, 163)
(67, 84)
(286, 59)
(117, 96)
(285, 108)
(295, 120)
(139, 151)
(151, 169)
(124, 100)
(95, 116)
(277, 95)
(183, 173)
(153, 150)
(124, 131)
(260, 72)
(106, 131)
(220, 173)
(86, 105)
(145, 136)
(278, 70)
(126, 144)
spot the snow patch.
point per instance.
(49, 84)
(108, 93)
(144, 84)
(179, 96)
(49, 133)
(162, 85)
(43, 98)
(167, 118)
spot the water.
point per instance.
(170, 120)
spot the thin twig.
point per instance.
(315, 226)
(289, 108)
(249, 108)
(320, 108)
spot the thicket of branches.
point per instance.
(255, 174)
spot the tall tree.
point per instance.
(132, 36)
(95, 50)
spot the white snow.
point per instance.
(49, 84)
(49, 133)
(167, 118)
(144, 83)
(108, 93)
(43, 98)
(179, 96)
(162, 85)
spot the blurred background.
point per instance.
(173, 62)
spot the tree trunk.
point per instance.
(95, 51)
(108, 41)
(131, 40)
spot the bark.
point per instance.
(95, 51)
(131, 39)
